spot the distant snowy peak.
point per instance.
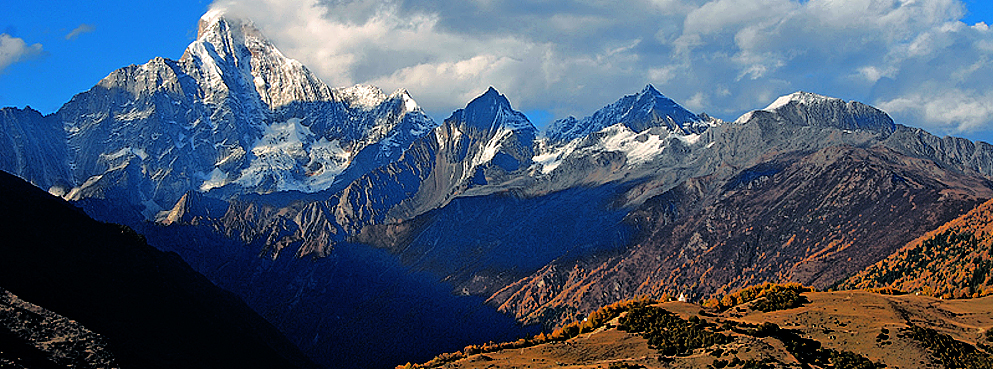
(639, 112)
(368, 97)
(488, 130)
(362, 96)
(809, 109)
(230, 53)
(491, 112)
(801, 98)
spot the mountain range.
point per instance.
(349, 219)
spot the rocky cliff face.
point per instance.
(33, 147)
(487, 143)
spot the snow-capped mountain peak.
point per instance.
(647, 109)
(408, 102)
(810, 109)
(232, 116)
(799, 97)
(230, 52)
(492, 112)
(362, 96)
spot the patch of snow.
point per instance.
(745, 117)
(551, 160)
(331, 160)
(422, 128)
(140, 153)
(236, 153)
(690, 139)
(276, 153)
(134, 115)
(803, 98)
(639, 148)
(215, 179)
(115, 155)
(408, 102)
(57, 191)
(365, 97)
(74, 193)
(212, 16)
(491, 147)
(289, 153)
(456, 135)
(512, 120)
(437, 138)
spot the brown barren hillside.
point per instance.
(951, 261)
(848, 329)
(811, 218)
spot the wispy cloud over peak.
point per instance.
(75, 33)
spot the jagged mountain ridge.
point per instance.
(485, 142)
(641, 111)
(232, 116)
(484, 148)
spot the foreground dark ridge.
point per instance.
(153, 310)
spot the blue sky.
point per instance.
(926, 62)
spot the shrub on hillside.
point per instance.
(669, 333)
(767, 296)
(807, 351)
(950, 352)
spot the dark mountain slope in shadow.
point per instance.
(153, 309)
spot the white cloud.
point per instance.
(720, 56)
(954, 111)
(83, 28)
(13, 50)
